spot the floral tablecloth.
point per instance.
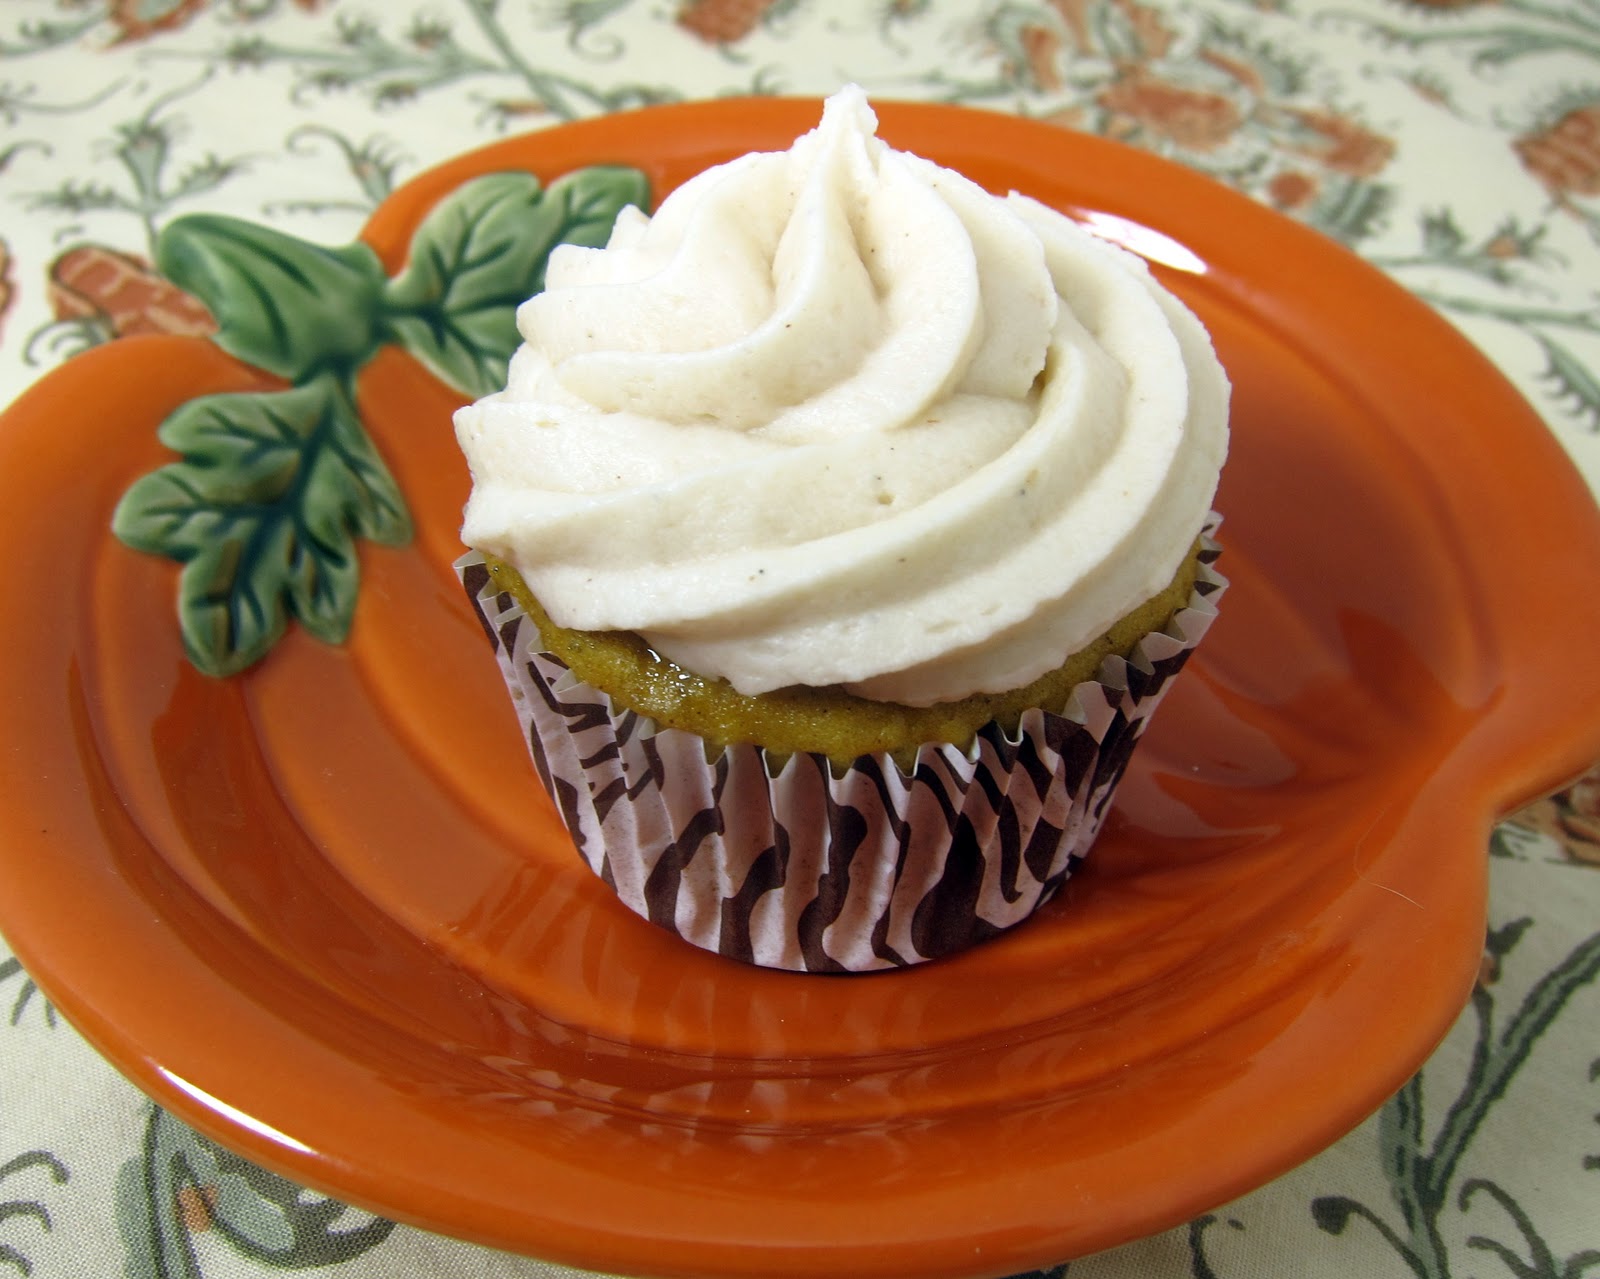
(1453, 143)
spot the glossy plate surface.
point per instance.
(324, 913)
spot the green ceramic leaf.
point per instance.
(483, 251)
(263, 512)
(272, 490)
(282, 304)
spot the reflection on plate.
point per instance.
(322, 911)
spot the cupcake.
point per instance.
(838, 530)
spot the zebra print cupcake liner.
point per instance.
(811, 870)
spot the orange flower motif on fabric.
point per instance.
(1149, 28)
(7, 292)
(1292, 190)
(1581, 819)
(1340, 144)
(197, 1207)
(1155, 37)
(1040, 47)
(1067, 117)
(1075, 17)
(1505, 248)
(1236, 69)
(140, 19)
(93, 282)
(722, 21)
(1572, 818)
(1488, 970)
(520, 108)
(1193, 118)
(1565, 155)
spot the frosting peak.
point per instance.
(838, 415)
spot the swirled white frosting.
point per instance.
(837, 415)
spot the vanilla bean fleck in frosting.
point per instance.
(837, 415)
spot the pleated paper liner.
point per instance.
(817, 870)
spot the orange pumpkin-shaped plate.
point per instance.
(321, 909)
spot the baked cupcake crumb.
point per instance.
(827, 720)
